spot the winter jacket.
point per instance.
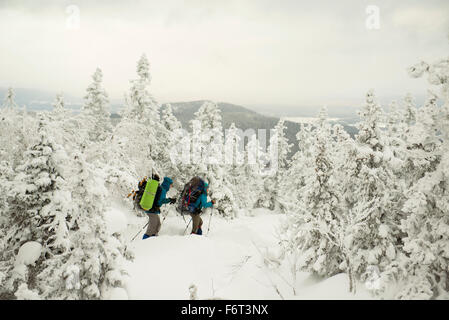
(164, 187)
(201, 202)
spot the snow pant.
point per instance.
(154, 224)
(197, 222)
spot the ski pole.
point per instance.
(140, 230)
(187, 226)
(210, 218)
(183, 218)
(164, 219)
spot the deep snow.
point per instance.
(237, 259)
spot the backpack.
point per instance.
(190, 194)
(146, 195)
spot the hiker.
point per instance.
(200, 203)
(154, 224)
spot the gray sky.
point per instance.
(288, 53)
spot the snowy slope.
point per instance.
(226, 263)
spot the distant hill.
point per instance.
(244, 118)
(38, 100)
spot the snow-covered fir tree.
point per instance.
(64, 126)
(95, 255)
(171, 163)
(426, 223)
(13, 131)
(37, 210)
(59, 104)
(95, 111)
(139, 138)
(315, 226)
(140, 104)
(9, 103)
(279, 150)
(298, 169)
(253, 177)
(422, 142)
(372, 198)
(208, 157)
(234, 158)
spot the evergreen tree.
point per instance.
(139, 137)
(9, 102)
(171, 164)
(13, 129)
(426, 222)
(59, 105)
(279, 150)
(37, 208)
(95, 111)
(316, 223)
(372, 199)
(410, 110)
(235, 166)
(96, 255)
(253, 177)
(207, 156)
(298, 170)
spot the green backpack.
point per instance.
(146, 193)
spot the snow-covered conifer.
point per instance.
(172, 141)
(208, 157)
(298, 170)
(279, 150)
(9, 103)
(235, 166)
(37, 208)
(372, 198)
(316, 223)
(95, 111)
(140, 136)
(426, 223)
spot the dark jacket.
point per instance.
(161, 196)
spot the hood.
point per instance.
(167, 182)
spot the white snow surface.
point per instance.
(225, 263)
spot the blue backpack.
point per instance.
(189, 195)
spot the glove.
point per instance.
(172, 200)
(213, 201)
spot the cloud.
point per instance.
(422, 19)
(251, 52)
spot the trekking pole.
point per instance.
(140, 230)
(164, 219)
(187, 226)
(210, 218)
(183, 218)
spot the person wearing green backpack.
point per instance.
(160, 199)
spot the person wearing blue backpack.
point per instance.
(200, 203)
(154, 224)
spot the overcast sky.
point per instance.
(263, 52)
